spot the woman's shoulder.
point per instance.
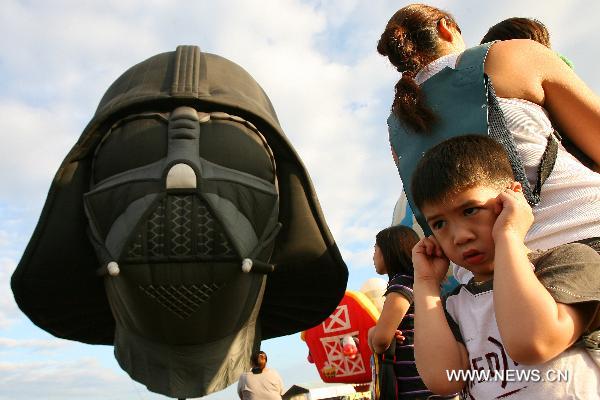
(518, 53)
(516, 68)
(514, 47)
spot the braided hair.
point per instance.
(410, 42)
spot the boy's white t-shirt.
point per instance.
(487, 353)
(569, 272)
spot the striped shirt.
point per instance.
(410, 385)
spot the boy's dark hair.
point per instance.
(518, 28)
(396, 243)
(459, 164)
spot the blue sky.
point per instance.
(317, 62)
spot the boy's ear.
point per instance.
(516, 187)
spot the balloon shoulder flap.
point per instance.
(57, 283)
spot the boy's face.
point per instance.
(463, 226)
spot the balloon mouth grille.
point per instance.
(183, 227)
(181, 300)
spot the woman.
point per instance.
(392, 256)
(534, 87)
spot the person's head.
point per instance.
(259, 360)
(455, 185)
(522, 28)
(393, 248)
(416, 35)
(518, 28)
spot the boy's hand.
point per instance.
(429, 261)
(514, 214)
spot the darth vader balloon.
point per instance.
(182, 228)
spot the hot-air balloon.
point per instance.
(182, 228)
(338, 346)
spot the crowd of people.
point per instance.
(507, 191)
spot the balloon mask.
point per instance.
(183, 193)
(172, 233)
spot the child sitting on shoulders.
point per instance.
(515, 328)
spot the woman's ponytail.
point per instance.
(410, 41)
(410, 107)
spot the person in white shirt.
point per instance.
(260, 383)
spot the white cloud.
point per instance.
(359, 259)
(4, 239)
(41, 137)
(32, 344)
(83, 378)
(334, 118)
(67, 49)
(9, 312)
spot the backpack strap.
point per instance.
(498, 131)
(475, 58)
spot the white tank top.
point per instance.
(569, 209)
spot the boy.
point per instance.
(519, 318)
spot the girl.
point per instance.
(392, 257)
